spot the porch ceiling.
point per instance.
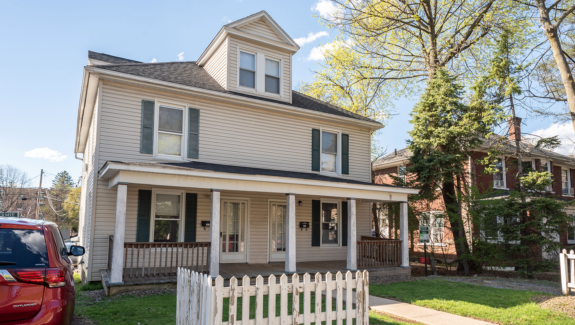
(215, 176)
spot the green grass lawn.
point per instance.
(161, 309)
(503, 306)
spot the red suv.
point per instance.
(36, 279)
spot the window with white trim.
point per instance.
(546, 166)
(435, 221)
(272, 76)
(170, 131)
(527, 166)
(330, 223)
(492, 228)
(566, 182)
(403, 173)
(571, 233)
(330, 152)
(499, 176)
(167, 216)
(247, 70)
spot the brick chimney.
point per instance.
(514, 128)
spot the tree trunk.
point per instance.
(551, 31)
(376, 225)
(452, 209)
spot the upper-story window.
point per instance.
(248, 70)
(546, 167)
(329, 152)
(527, 166)
(566, 182)
(272, 76)
(499, 176)
(170, 131)
(403, 174)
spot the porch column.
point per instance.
(351, 236)
(403, 234)
(215, 235)
(290, 266)
(119, 235)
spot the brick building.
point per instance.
(561, 167)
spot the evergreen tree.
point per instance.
(62, 181)
(445, 131)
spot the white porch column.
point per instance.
(119, 234)
(215, 235)
(351, 235)
(403, 234)
(290, 266)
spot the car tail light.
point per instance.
(52, 277)
(55, 278)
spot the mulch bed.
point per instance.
(562, 304)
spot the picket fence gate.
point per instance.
(200, 301)
(567, 266)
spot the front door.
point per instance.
(233, 231)
(277, 231)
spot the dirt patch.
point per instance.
(561, 304)
(387, 279)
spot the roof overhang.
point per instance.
(117, 173)
(226, 97)
(88, 96)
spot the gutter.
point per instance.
(216, 95)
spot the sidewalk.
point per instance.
(416, 313)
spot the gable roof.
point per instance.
(109, 58)
(188, 73)
(268, 20)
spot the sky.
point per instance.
(44, 46)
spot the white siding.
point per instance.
(217, 65)
(231, 135)
(260, 28)
(258, 224)
(233, 52)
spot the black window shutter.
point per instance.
(343, 223)
(315, 222)
(191, 217)
(144, 214)
(345, 154)
(193, 133)
(147, 132)
(315, 148)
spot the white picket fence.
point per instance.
(200, 302)
(567, 266)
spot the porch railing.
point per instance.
(373, 251)
(162, 259)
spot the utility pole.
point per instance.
(38, 196)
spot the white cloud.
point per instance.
(318, 52)
(181, 56)
(45, 153)
(226, 19)
(565, 132)
(301, 41)
(327, 10)
(154, 60)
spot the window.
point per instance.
(527, 167)
(497, 229)
(330, 224)
(248, 70)
(571, 234)
(167, 216)
(403, 173)
(329, 152)
(170, 131)
(272, 76)
(546, 167)
(566, 182)
(434, 220)
(499, 176)
(23, 248)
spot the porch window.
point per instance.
(329, 152)
(330, 224)
(434, 220)
(167, 217)
(499, 176)
(170, 131)
(247, 70)
(272, 76)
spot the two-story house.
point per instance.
(561, 167)
(218, 164)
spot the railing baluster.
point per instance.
(131, 260)
(202, 260)
(192, 266)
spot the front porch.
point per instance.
(243, 225)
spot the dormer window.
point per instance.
(272, 76)
(248, 70)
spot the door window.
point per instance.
(233, 227)
(278, 227)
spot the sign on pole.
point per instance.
(424, 234)
(14, 214)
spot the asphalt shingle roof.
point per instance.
(109, 58)
(188, 73)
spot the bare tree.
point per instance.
(14, 194)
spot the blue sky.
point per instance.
(45, 46)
